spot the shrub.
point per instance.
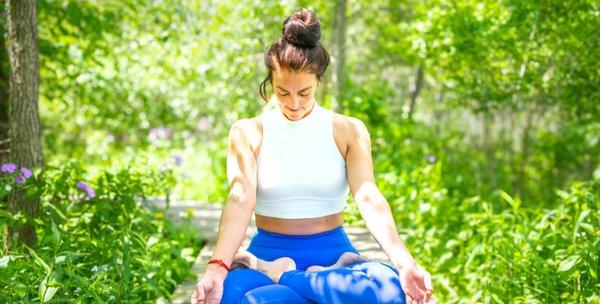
(98, 240)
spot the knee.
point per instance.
(387, 281)
(389, 287)
(238, 282)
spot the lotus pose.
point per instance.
(293, 166)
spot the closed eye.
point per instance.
(303, 95)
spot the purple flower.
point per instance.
(90, 192)
(26, 172)
(177, 159)
(156, 134)
(20, 179)
(8, 167)
(204, 124)
(431, 159)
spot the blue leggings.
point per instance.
(358, 282)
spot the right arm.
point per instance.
(237, 212)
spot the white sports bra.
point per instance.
(300, 171)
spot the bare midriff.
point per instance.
(299, 226)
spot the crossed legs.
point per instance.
(352, 278)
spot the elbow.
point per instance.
(247, 202)
(370, 195)
(373, 203)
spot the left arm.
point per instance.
(375, 210)
(373, 207)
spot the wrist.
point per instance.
(220, 263)
(404, 263)
(216, 268)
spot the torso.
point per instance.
(302, 226)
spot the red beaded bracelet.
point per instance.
(220, 262)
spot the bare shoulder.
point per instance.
(350, 127)
(347, 131)
(247, 131)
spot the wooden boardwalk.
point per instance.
(206, 219)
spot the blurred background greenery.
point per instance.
(484, 118)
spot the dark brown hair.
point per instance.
(298, 49)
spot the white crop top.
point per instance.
(300, 171)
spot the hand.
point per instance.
(209, 290)
(416, 283)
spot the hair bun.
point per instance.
(302, 28)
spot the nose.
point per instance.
(295, 104)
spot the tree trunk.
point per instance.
(415, 92)
(488, 147)
(340, 59)
(4, 78)
(24, 124)
(525, 145)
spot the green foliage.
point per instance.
(498, 250)
(493, 184)
(104, 246)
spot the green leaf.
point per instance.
(55, 233)
(38, 260)
(46, 292)
(62, 216)
(20, 289)
(510, 200)
(4, 261)
(32, 192)
(568, 263)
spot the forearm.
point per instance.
(235, 217)
(378, 217)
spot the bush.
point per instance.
(497, 250)
(96, 245)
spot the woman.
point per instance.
(294, 166)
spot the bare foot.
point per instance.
(273, 269)
(276, 268)
(244, 259)
(345, 259)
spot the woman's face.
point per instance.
(295, 92)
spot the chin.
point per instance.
(295, 113)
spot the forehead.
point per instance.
(293, 79)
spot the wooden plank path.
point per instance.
(206, 218)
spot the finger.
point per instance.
(217, 292)
(412, 290)
(416, 293)
(428, 295)
(200, 295)
(428, 286)
(424, 284)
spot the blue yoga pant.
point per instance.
(358, 282)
